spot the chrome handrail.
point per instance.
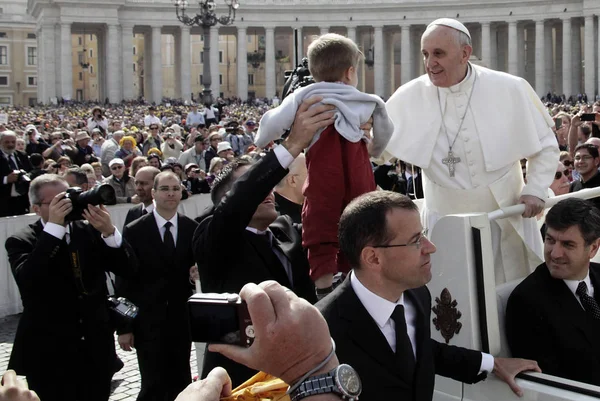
(516, 210)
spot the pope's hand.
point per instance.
(533, 205)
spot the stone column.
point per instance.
(388, 64)
(215, 67)
(66, 62)
(576, 58)
(323, 30)
(127, 57)
(590, 59)
(485, 44)
(513, 54)
(494, 47)
(405, 55)
(242, 63)
(566, 65)
(549, 58)
(378, 76)
(300, 46)
(521, 50)
(361, 64)
(185, 64)
(540, 57)
(157, 78)
(270, 76)
(113, 72)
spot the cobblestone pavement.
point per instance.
(125, 384)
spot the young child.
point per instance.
(337, 159)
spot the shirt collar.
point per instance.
(150, 208)
(160, 221)
(573, 284)
(379, 308)
(462, 86)
(255, 231)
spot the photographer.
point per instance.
(97, 120)
(14, 165)
(35, 143)
(59, 265)
(195, 182)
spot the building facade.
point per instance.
(552, 44)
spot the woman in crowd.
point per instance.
(216, 165)
(63, 164)
(128, 150)
(136, 164)
(154, 160)
(171, 147)
(98, 171)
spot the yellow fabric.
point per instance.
(260, 387)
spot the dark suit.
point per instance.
(13, 206)
(545, 322)
(361, 344)
(63, 329)
(134, 213)
(286, 207)
(160, 290)
(229, 256)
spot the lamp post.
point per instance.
(206, 19)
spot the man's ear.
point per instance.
(466, 52)
(36, 209)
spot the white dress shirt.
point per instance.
(381, 310)
(161, 221)
(573, 284)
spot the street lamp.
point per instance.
(206, 19)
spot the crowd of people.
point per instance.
(362, 253)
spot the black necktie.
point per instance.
(145, 212)
(589, 304)
(168, 240)
(404, 350)
(11, 162)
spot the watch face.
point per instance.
(348, 380)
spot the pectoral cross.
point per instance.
(450, 161)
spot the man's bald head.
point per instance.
(290, 187)
(594, 141)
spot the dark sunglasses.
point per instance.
(567, 163)
(558, 175)
(116, 167)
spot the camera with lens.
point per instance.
(80, 199)
(297, 78)
(220, 318)
(22, 183)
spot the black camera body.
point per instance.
(123, 307)
(221, 319)
(80, 199)
(297, 78)
(22, 183)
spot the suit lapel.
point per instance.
(269, 258)
(362, 330)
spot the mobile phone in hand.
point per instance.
(588, 117)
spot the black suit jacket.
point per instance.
(162, 286)
(545, 322)
(286, 207)
(134, 213)
(57, 316)
(20, 204)
(361, 344)
(229, 256)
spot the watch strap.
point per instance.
(319, 384)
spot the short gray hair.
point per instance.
(7, 133)
(40, 182)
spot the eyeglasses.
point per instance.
(567, 163)
(153, 128)
(416, 244)
(116, 167)
(558, 175)
(584, 157)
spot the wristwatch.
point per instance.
(341, 380)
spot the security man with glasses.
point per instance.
(162, 243)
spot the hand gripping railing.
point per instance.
(516, 210)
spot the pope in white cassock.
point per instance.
(467, 127)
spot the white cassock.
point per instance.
(504, 123)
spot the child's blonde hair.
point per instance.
(330, 55)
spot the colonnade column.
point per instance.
(215, 68)
(157, 81)
(300, 46)
(548, 58)
(270, 75)
(323, 30)
(405, 55)
(66, 61)
(485, 44)
(242, 64)
(127, 58)
(540, 57)
(184, 63)
(513, 54)
(566, 56)
(590, 59)
(113, 73)
(378, 55)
